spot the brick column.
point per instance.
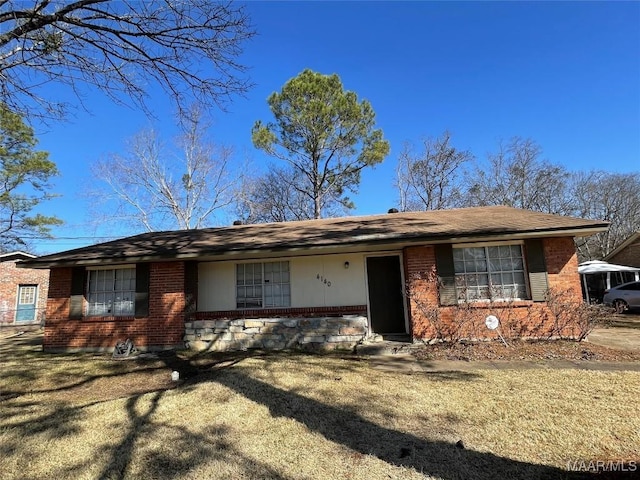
(165, 325)
(562, 266)
(58, 302)
(421, 288)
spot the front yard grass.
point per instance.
(296, 416)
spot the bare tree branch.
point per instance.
(280, 196)
(518, 176)
(188, 47)
(155, 190)
(431, 179)
(614, 197)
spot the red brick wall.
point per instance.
(421, 288)
(164, 327)
(10, 278)
(518, 319)
(562, 265)
(166, 304)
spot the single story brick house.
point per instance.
(326, 283)
(23, 292)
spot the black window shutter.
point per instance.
(76, 304)
(191, 286)
(142, 290)
(446, 274)
(537, 269)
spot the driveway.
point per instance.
(624, 333)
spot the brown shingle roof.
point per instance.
(393, 229)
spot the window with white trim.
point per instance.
(263, 285)
(111, 292)
(490, 273)
(27, 294)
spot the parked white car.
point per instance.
(623, 297)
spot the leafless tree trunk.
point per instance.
(153, 189)
(431, 178)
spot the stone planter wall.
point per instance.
(320, 333)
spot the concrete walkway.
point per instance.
(624, 334)
(618, 338)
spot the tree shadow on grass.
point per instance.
(131, 456)
(431, 457)
(187, 449)
(138, 423)
(56, 420)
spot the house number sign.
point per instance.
(323, 280)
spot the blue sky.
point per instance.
(564, 74)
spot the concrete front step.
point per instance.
(385, 345)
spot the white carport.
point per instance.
(608, 275)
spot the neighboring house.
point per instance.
(313, 284)
(23, 292)
(627, 253)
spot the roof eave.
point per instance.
(362, 245)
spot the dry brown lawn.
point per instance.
(296, 416)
